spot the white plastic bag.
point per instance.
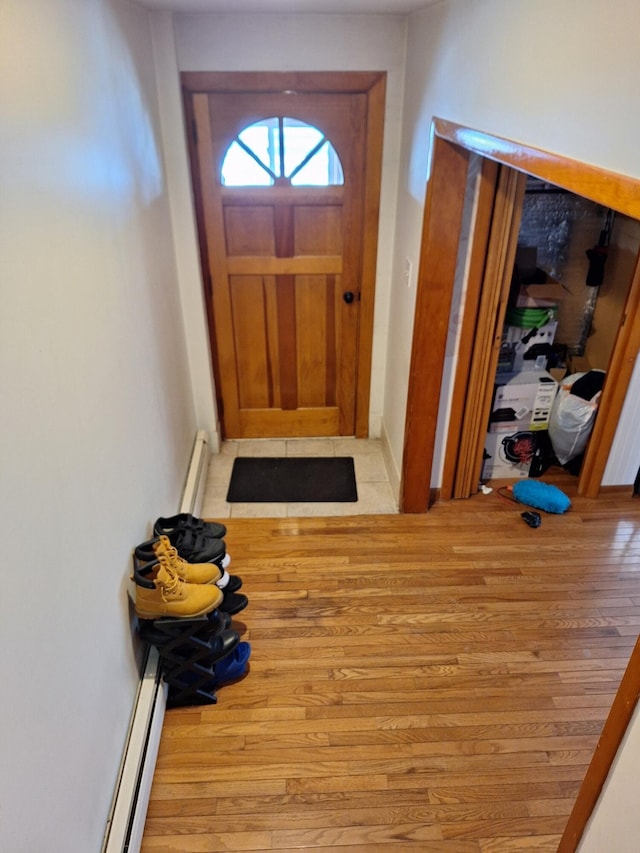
(571, 421)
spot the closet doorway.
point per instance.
(503, 171)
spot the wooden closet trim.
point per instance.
(486, 192)
(621, 366)
(619, 192)
(488, 331)
(438, 256)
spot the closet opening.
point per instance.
(536, 216)
(573, 265)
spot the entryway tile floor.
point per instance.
(374, 492)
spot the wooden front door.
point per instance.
(283, 256)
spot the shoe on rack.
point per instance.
(199, 573)
(234, 584)
(195, 547)
(190, 572)
(181, 660)
(186, 521)
(233, 602)
(230, 667)
(227, 582)
(233, 665)
(160, 591)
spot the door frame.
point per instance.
(451, 147)
(373, 85)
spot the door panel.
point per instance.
(280, 259)
(249, 230)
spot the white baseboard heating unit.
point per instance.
(129, 809)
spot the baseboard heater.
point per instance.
(131, 800)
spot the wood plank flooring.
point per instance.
(437, 681)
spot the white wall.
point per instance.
(235, 42)
(96, 418)
(561, 76)
(615, 822)
(184, 224)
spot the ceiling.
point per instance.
(398, 7)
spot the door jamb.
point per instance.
(454, 143)
(438, 255)
(487, 335)
(485, 201)
(373, 85)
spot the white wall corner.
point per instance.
(125, 826)
(196, 479)
(375, 425)
(393, 470)
(178, 176)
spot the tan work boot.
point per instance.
(161, 592)
(189, 572)
(152, 550)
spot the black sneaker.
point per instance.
(196, 548)
(233, 602)
(234, 584)
(186, 521)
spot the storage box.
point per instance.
(541, 295)
(522, 401)
(516, 356)
(508, 455)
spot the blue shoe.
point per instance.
(233, 665)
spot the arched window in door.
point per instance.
(281, 150)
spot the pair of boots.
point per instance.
(169, 582)
(198, 541)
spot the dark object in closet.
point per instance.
(574, 465)
(598, 254)
(597, 259)
(536, 351)
(588, 385)
(543, 457)
(502, 415)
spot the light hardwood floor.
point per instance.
(436, 681)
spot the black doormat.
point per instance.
(300, 479)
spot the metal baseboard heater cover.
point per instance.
(131, 799)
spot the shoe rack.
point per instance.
(199, 648)
(196, 655)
